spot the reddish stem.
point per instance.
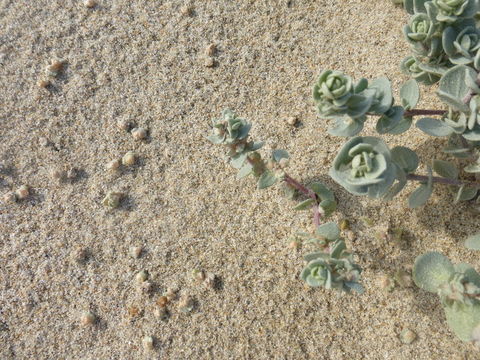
(440, 180)
(307, 192)
(417, 112)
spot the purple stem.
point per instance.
(307, 192)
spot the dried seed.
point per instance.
(386, 283)
(209, 280)
(54, 68)
(114, 165)
(87, 318)
(162, 301)
(171, 294)
(161, 312)
(141, 276)
(210, 50)
(407, 336)
(147, 342)
(133, 311)
(123, 125)
(198, 275)
(209, 62)
(22, 192)
(43, 83)
(135, 251)
(90, 3)
(112, 199)
(292, 120)
(344, 225)
(129, 158)
(139, 133)
(186, 304)
(186, 10)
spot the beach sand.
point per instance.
(63, 254)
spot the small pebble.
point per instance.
(147, 342)
(293, 244)
(186, 10)
(162, 301)
(112, 199)
(209, 280)
(135, 251)
(292, 120)
(90, 3)
(114, 165)
(87, 318)
(407, 336)
(43, 83)
(141, 276)
(43, 141)
(350, 235)
(10, 197)
(22, 192)
(139, 133)
(54, 68)
(387, 283)
(129, 158)
(198, 275)
(123, 125)
(209, 62)
(72, 174)
(171, 294)
(210, 50)
(161, 313)
(186, 304)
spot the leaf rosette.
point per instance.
(420, 28)
(364, 167)
(462, 46)
(450, 11)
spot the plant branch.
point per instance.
(417, 112)
(307, 192)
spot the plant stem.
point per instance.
(307, 192)
(440, 180)
(417, 112)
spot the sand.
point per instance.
(62, 253)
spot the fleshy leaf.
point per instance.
(409, 94)
(432, 270)
(473, 242)
(405, 158)
(466, 193)
(445, 169)
(279, 155)
(434, 127)
(323, 192)
(245, 171)
(267, 179)
(327, 206)
(304, 204)
(329, 231)
(453, 87)
(421, 194)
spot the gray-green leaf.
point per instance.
(473, 242)
(267, 179)
(432, 270)
(445, 169)
(434, 127)
(329, 231)
(409, 94)
(279, 155)
(405, 158)
(304, 204)
(323, 192)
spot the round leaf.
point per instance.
(434, 127)
(432, 270)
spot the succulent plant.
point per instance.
(334, 269)
(364, 167)
(450, 11)
(458, 288)
(461, 45)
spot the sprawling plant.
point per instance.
(331, 266)
(458, 287)
(445, 49)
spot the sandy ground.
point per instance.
(145, 62)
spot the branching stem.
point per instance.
(307, 192)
